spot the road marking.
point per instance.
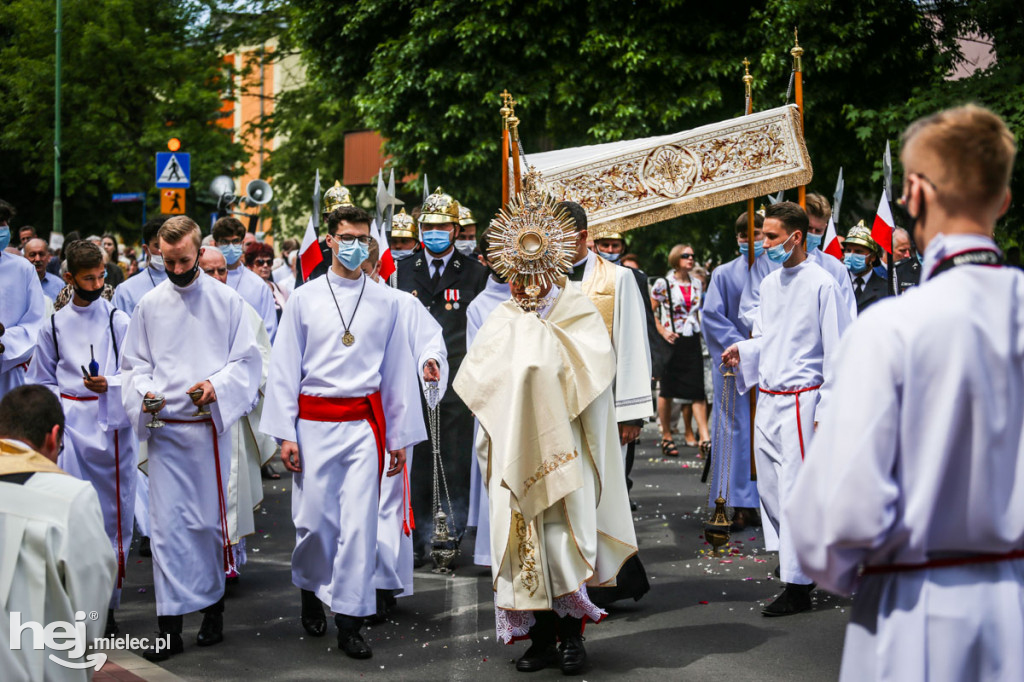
(460, 602)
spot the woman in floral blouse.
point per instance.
(677, 299)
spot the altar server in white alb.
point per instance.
(790, 361)
(915, 478)
(21, 309)
(55, 559)
(82, 339)
(228, 234)
(343, 385)
(819, 212)
(486, 302)
(395, 522)
(189, 335)
(250, 447)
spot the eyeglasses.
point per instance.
(263, 261)
(686, 255)
(348, 239)
(230, 241)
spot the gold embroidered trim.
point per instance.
(526, 553)
(548, 466)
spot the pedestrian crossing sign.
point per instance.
(173, 169)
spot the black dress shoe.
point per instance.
(573, 655)
(212, 630)
(144, 549)
(794, 599)
(314, 620)
(537, 657)
(353, 644)
(176, 646)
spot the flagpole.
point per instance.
(747, 81)
(505, 112)
(513, 133)
(798, 82)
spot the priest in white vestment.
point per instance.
(190, 334)
(55, 558)
(912, 495)
(21, 315)
(789, 361)
(99, 440)
(343, 385)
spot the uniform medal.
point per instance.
(452, 298)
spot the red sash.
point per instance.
(795, 392)
(229, 557)
(944, 563)
(320, 409)
(80, 398)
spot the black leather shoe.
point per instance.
(573, 655)
(353, 644)
(176, 647)
(144, 549)
(537, 657)
(212, 630)
(313, 618)
(794, 599)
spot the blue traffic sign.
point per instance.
(123, 197)
(173, 169)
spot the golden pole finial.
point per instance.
(797, 52)
(747, 78)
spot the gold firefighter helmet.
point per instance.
(860, 234)
(439, 208)
(402, 226)
(466, 217)
(599, 233)
(336, 197)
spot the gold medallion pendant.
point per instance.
(348, 339)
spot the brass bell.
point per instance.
(716, 529)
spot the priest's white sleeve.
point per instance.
(632, 352)
(137, 373)
(43, 369)
(844, 501)
(834, 319)
(87, 560)
(284, 378)
(237, 384)
(748, 373)
(429, 345)
(268, 311)
(399, 389)
(19, 339)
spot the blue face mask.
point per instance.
(778, 253)
(758, 248)
(352, 255)
(232, 252)
(613, 257)
(399, 254)
(855, 262)
(5, 237)
(437, 241)
(814, 241)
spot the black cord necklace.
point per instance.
(347, 338)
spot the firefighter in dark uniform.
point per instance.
(445, 281)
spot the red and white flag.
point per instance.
(832, 245)
(387, 261)
(310, 255)
(882, 228)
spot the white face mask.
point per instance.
(465, 246)
(157, 263)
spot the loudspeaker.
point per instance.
(223, 187)
(258, 193)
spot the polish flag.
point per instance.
(882, 228)
(310, 255)
(387, 262)
(832, 245)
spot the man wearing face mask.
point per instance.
(723, 327)
(21, 309)
(860, 254)
(402, 240)
(789, 361)
(819, 211)
(908, 261)
(228, 234)
(446, 282)
(343, 386)
(465, 241)
(189, 345)
(100, 444)
(128, 295)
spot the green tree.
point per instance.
(135, 73)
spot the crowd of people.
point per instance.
(168, 385)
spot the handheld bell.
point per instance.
(716, 529)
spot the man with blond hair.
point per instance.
(189, 346)
(912, 494)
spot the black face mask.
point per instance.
(185, 278)
(86, 295)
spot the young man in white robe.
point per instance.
(22, 310)
(343, 388)
(228, 234)
(250, 447)
(789, 360)
(54, 553)
(819, 211)
(487, 301)
(393, 576)
(99, 441)
(188, 336)
(913, 492)
(560, 518)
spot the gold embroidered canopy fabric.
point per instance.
(624, 185)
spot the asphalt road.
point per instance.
(700, 620)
